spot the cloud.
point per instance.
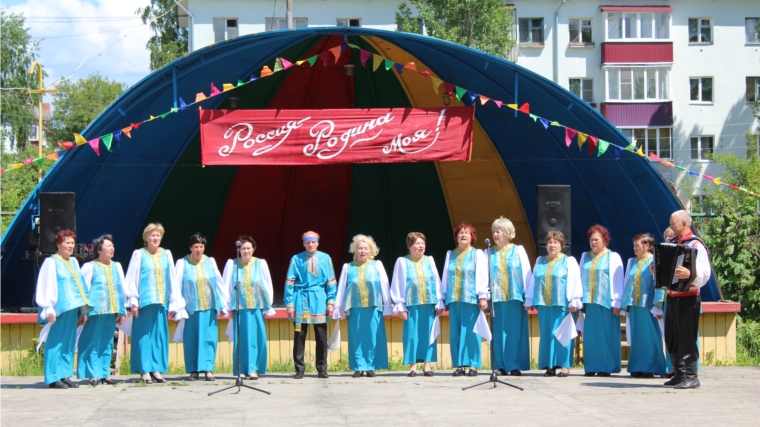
(93, 28)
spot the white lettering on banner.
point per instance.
(400, 142)
(244, 131)
(325, 128)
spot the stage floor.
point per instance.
(728, 397)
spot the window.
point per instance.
(272, 24)
(753, 90)
(531, 30)
(580, 31)
(700, 205)
(653, 140)
(225, 29)
(637, 25)
(349, 22)
(583, 89)
(701, 146)
(637, 83)
(701, 89)
(700, 30)
(752, 30)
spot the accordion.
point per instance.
(668, 257)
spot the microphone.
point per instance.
(237, 243)
(488, 243)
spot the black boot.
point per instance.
(679, 367)
(691, 380)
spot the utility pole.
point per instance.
(42, 91)
(289, 14)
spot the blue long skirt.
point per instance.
(367, 344)
(464, 343)
(200, 338)
(96, 347)
(646, 342)
(511, 349)
(150, 340)
(417, 328)
(253, 343)
(551, 353)
(601, 340)
(59, 347)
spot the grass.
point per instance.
(747, 342)
(25, 364)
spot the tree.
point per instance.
(169, 42)
(78, 103)
(18, 51)
(481, 24)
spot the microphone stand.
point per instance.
(493, 379)
(239, 380)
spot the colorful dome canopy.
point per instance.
(156, 176)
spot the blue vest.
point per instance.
(106, 290)
(595, 277)
(550, 282)
(461, 271)
(506, 274)
(199, 286)
(363, 288)
(154, 287)
(253, 293)
(71, 287)
(420, 282)
(639, 284)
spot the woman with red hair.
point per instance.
(465, 289)
(603, 282)
(63, 305)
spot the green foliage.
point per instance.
(124, 366)
(747, 342)
(17, 184)
(78, 103)
(25, 364)
(168, 42)
(17, 52)
(481, 24)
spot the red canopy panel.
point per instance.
(636, 8)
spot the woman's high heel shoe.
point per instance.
(108, 381)
(157, 379)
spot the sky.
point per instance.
(72, 30)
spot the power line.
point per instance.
(86, 34)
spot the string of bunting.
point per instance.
(376, 61)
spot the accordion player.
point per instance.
(668, 257)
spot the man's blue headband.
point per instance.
(310, 239)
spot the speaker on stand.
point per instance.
(58, 211)
(552, 214)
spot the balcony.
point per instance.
(637, 53)
(630, 114)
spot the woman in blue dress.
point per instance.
(555, 290)
(417, 298)
(249, 289)
(364, 298)
(105, 282)
(465, 286)
(646, 358)
(205, 295)
(603, 280)
(153, 293)
(510, 270)
(63, 304)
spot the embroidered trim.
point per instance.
(159, 272)
(109, 283)
(200, 281)
(248, 282)
(502, 254)
(548, 278)
(458, 288)
(312, 264)
(76, 278)
(637, 279)
(421, 282)
(592, 273)
(361, 274)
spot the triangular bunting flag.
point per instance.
(472, 96)
(28, 161)
(165, 114)
(708, 177)
(40, 162)
(17, 165)
(200, 96)
(253, 78)
(135, 126)
(681, 168)
(364, 56)
(399, 68)
(512, 106)
(555, 124)
(733, 186)
(68, 145)
(655, 157)
(312, 60)
(498, 103)
(151, 118)
(533, 116)
(79, 139)
(640, 152)
(450, 88)
(411, 66)
(214, 90)
(60, 153)
(174, 110)
(117, 137)
(603, 145)
(127, 131)
(227, 86)
(436, 83)
(544, 122)
(593, 142)
(525, 108)
(483, 99)
(569, 135)
(460, 92)
(718, 181)
(631, 148)
(52, 156)
(285, 63)
(265, 72)
(389, 64)
(299, 62)
(240, 83)
(277, 65)
(336, 52)
(95, 144)
(664, 163)
(425, 73)
(581, 139)
(182, 104)
(107, 140)
(376, 61)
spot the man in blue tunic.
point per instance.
(310, 289)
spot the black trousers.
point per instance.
(681, 329)
(299, 343)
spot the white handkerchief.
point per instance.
(435, 330)
(566, 331)
(177, 337)
(230, 330)
(126, 327)
(334, 342)
(43, 335)
(661, 322)
(580, 322)
(481, 327)
(628, 330)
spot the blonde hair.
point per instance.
(151, 228)
(373, 249)
(668, 233)
(505, 226)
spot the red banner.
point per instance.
(316, 137)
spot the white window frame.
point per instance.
(226, 20)
(712, 94)
(348, 22)
(647, 148)
(755, 37)
(700, 149)
(638, 37)
(580, 32)
(532, 43)
(269, 22)
(699, 30)
(583, 90)
(647, 69)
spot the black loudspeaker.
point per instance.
(552, 214)
(58, 211)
